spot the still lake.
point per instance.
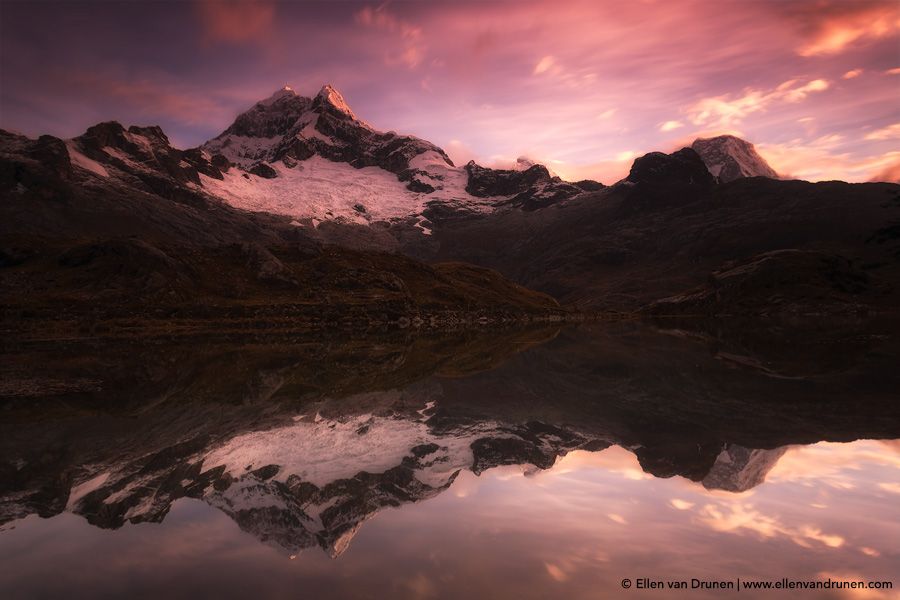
(528, 463)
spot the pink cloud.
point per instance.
(729, 110)
(236, 21)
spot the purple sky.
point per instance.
(581, 86)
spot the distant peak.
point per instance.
(729, 157)
(329, 96)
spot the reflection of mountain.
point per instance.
(737, 469)
(301, 442)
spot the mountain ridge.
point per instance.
(311, 173)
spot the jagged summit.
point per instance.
(329, 97)
(728, 158)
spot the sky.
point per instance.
(582, 86)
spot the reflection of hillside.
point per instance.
(301, 441)
(122, 376)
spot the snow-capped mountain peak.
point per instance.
(728, 158)
(314, 160)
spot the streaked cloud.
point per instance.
(891, 132)
(729, 110)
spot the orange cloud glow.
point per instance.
(837, 33)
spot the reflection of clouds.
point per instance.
(891, 444)
(681, 504)
(555, 572)
(421, 586)
(561, 567)
(894, 488)
(614, 459)
(832, 463)
(558, 519)
(739, 518)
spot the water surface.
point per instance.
(520, 464)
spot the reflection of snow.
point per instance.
(326, 450)
(83, 489)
